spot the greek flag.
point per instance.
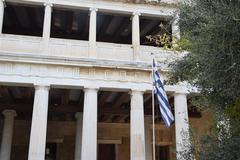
(164, 106)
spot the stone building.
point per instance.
(75, 81)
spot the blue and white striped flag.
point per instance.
(164, 106)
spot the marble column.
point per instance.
(136, 35)
(1, 14)
(39, 123)
(7, 135)
(78, 140)
(148, 137)
(181, 124)
(175, 29)
(47, 25)
(92, 32)
(137, 126)
(89, 129)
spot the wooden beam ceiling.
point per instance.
(69, 22)
(122, 98)
(7, 96)
(121, 28)
(146, 26)
(12, 15)
(118, 110)
(114, 25)
(103, 97)
(23, 20)
(81, 99)
(31, 12)
(65, 97)
(106, 21)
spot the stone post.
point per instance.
(89, 129)
(1, 14)
(137, 126)
(78, 141)
(175, 29)
(92, 32)
(39, 124)
(181, 124)
(47, 25)
(7, 134)
(136, 35)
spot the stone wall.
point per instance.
(63, 133)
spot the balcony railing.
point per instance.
(65, 48)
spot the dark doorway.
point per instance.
(51, 151)
(106, 152)
(162, 153)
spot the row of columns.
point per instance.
(86, 128)
(181, 125)
(92, 29)
(1, 14)
(39, 124)
(7, 134)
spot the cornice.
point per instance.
(79, 62)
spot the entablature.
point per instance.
(164, 58)
(80, 76)
(114, 6)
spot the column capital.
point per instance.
(136, 91)
(183, 92)
(176, 14)
(90, 88)
(136, 14)
(9, 113)
(78, 115)
(41, 87)
(93, 9)
(48, 4)
(3, 3)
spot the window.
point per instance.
(70, 24)
(153, 26)
(23, 19)
(114, 28)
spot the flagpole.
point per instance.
(165, 110)
(153, 115)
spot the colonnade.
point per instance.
(86, 126)
(92, 29)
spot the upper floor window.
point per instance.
(23, 19)
(154, 27)
(70, 24)
(115, 28)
